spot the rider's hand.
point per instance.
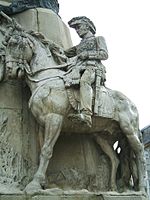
(83, 55)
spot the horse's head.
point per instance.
(19, 51)
(29, 52)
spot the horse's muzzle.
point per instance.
(13, 70)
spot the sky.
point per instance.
(125, 24)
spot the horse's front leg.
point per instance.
(53, 124)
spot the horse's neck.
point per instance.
(42, 59)
(54, 77)
(42, 69)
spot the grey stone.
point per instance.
(93, 196)
(35, 20)
(13, 197)
(123, 197)
(14, 101)
(8, 89)
(18, 6)
(91, 162)
(75, 197)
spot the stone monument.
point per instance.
(58, 121)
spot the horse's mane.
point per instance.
(45, 41)
(41, 37)
(51, 47)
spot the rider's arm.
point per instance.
(101, 52)
(71, 52)
(98, 55)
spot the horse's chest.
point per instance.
(48, 99)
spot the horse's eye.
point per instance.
(13, 41)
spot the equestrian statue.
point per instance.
(69, 85)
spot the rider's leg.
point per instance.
(86, 93)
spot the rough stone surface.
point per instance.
(18, 6)
(52, 28)
(81, 165)
(78, 161)
(124, 197)
(18, 127)
(92, 196)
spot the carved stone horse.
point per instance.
(31, 56)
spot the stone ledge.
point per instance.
(76, 196)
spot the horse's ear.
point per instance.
(5, 18)
(16, 25)
(7, 21)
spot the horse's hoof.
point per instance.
(142, 189)
(113, 189)
(32, 187)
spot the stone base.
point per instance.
(75, 195)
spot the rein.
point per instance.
(52, 67)
(47, 78)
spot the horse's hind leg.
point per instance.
(108, 149)
(130, 129)
(53, 124)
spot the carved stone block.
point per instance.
(12, 91)
(73, 197)
(124, 197)
(34, 19)
(78, 163)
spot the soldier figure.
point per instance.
(88, 68)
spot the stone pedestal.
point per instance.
(47, 22)
(80, 195)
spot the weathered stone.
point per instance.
(124, 197)
(43, 64)
(81, 165)
(13, 197)
(22, 126)
(52, 28)
(89, 196)
(28, 19)
(18, 6)
(79, 162)
(9, 88)
(75, 197)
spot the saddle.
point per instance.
(103, 102)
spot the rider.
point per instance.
(88, 55)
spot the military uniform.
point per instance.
(90, 69)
